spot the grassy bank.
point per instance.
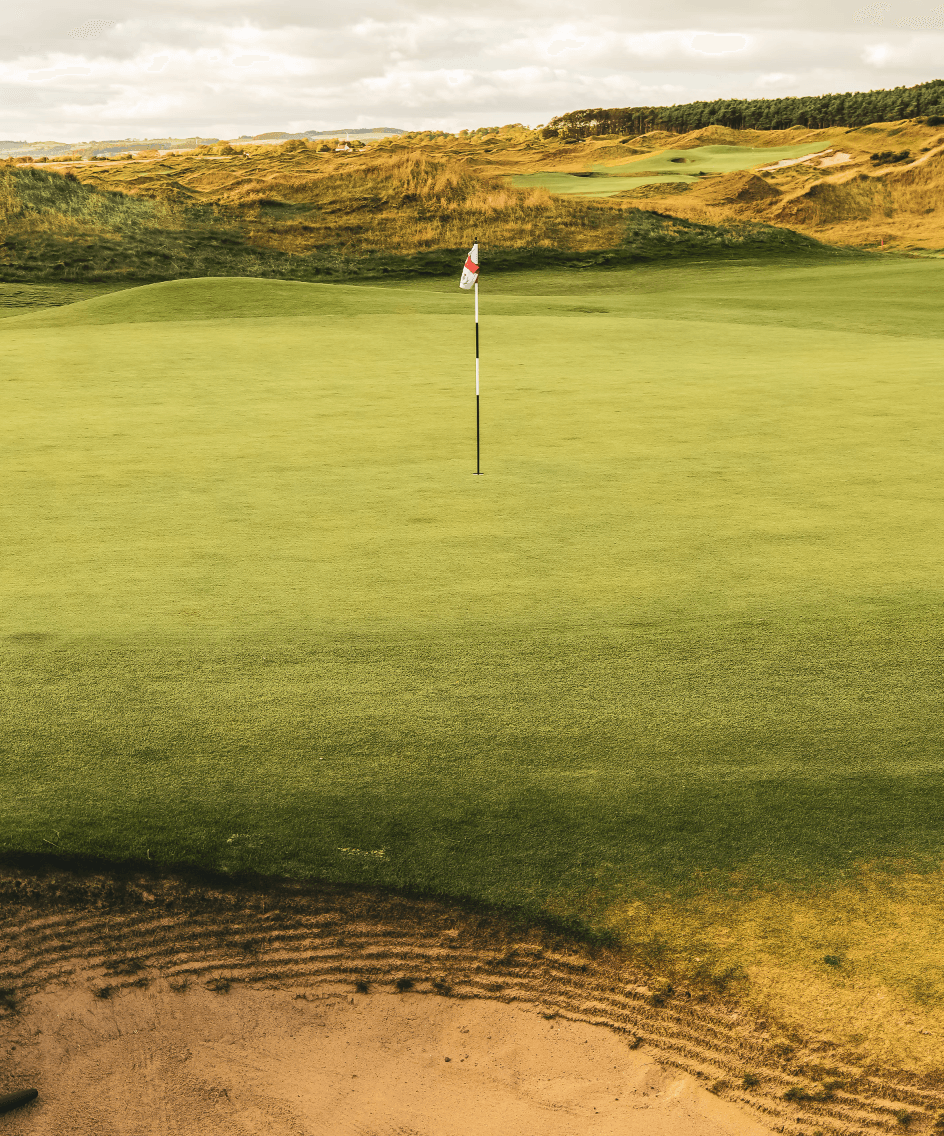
(395, 216)
(667, 670)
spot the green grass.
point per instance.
(683, 637)
(677, 166)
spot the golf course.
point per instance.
(666, 676)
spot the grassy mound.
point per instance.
(665, 672)
(222, 298)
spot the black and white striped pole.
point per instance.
(470, 279)
(478, 468)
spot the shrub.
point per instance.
(887, 157)
(934, 120)
(550, 132)
(750, 1081)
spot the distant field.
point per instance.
(679, 166)
(670, 669)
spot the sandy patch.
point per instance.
(784, 162)
(275, 1062)
(835, 160)
(142, 1001)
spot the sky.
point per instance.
(223, 68)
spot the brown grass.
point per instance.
(856, 203)
(300, 200)
(881, 997)
(413, 195)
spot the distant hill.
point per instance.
(364, 133)
(111, 146)
(106, 147)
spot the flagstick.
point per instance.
(477, 466)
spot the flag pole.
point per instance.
(470, 279)
(478, 469)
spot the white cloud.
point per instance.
(557, 46)
(878, 54)
(711, 44)
(91, 29)
(55, 72)
(202, 66)
(776, 79)
(872, 14)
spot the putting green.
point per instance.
(678, 166)
(681, 640)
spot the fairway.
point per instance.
(676, 166)
(669, 671)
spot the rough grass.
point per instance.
(850, 204)
(299, 215)
(668, 671)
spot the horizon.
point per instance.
(339, 132)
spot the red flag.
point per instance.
(470, 273)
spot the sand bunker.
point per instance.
(283, 1062)
(157, 1003)
(784, 162)
(835, 160)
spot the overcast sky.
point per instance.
(146, 68)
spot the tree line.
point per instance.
(814, 111)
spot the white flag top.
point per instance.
(470, 273)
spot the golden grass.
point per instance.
(880, 998)
(855, 203)
(414, 194)
(299, 200)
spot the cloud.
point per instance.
(92, 28)
(55, 72)
(556, 46)
(246, 66)
(776, 79)
(17, 97)
(712, 44)
(933, 21)
(872, 14)
(877, 15)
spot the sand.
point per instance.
(276, 1062)
(148, 1000)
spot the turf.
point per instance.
(682, 638)
(675, 166)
